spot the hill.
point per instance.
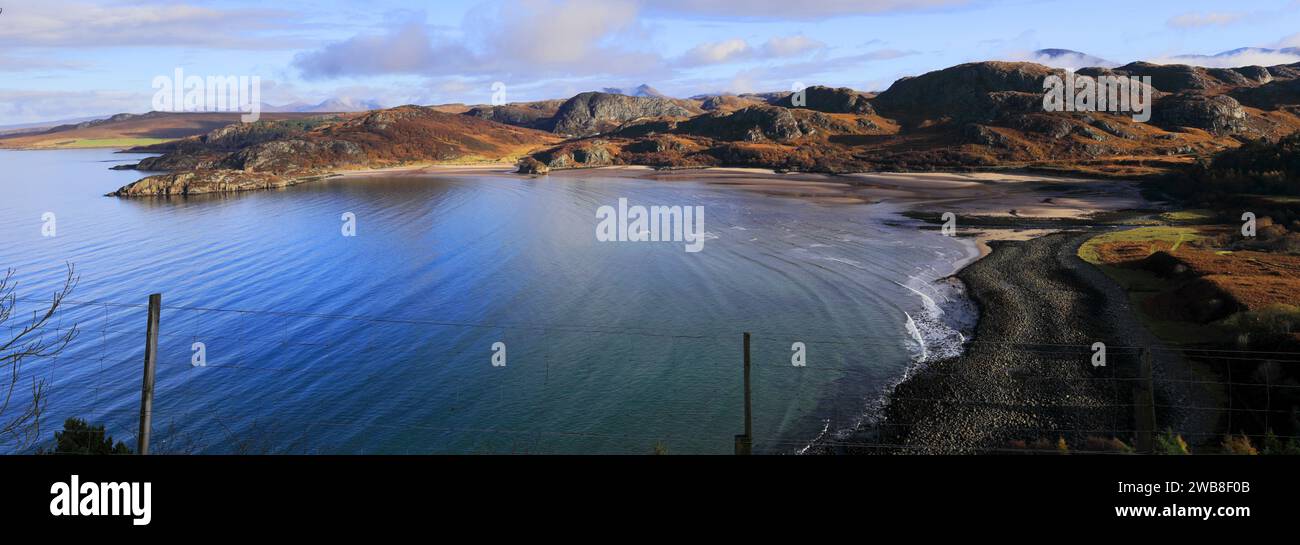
(970, 116)
(281, 153)
(986, 115)
(128, 130)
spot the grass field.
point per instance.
(1189, 216)
(1140, 284)
(1151, 238)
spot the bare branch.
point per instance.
(31, 341)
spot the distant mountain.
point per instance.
(159, 126)
(42, 125)
(642, 90)
(1241, 56)
(333, 105)
(1244, 50)
(1068, 58)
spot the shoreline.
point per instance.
(1025, 381)
(1010, 195)
(1007, 199)
(945, 423)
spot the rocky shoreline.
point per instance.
(1026, 377)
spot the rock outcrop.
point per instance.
(1179, 78)
(533, 115)
(592, 113)
(198, 182)
(728, 103)
(972, 92)
(840, 100)
(1217, 114)
(760, 123)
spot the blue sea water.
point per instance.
(383, 342)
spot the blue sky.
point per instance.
(69, 58)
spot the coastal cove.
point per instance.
(383, 343)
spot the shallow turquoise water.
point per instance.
(382, 343)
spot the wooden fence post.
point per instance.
(1145, 403)
(745, 443)
(150, 365)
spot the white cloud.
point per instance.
(1248, 57)
(789, 46)
(717, 52)
(794, 9)
(26, 106)
(736, 50)
(830, 71)
(1200, 20)
(409, 49)
(1072, 60)
(71, 23)
(555, 32)
(512, 40)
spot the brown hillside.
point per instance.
(153, 125)
(976, 115)
(251, 156)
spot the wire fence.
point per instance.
(233, 380)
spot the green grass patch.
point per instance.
(1190, 216)
(1140, 284)
(1156, 238)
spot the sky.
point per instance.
(65, 59)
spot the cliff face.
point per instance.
(592, 113)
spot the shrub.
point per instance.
(1102, 444)
(79, 437)
(1238, 444)
(1277, 318)
(1273, 445)
(1171, 444)
(660, 448)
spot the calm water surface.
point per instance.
(382, 343)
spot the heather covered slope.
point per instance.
(976, 115)
(971, 116)
(276, 154)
